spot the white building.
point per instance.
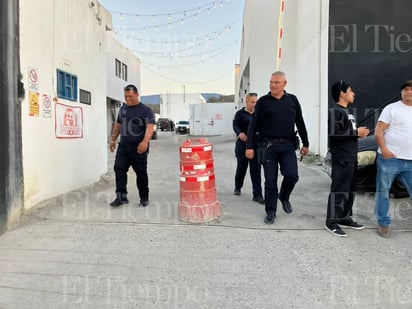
(304, 55)
(176, 106)
(123, 68)
(317, 43)
(63, 53)
(211, 118)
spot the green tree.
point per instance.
(155, 108)
(222, 98)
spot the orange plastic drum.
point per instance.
(198, 201)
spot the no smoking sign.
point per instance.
(47, 109)
(33, 79)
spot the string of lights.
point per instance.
(171, 55)
(170, 48)
(173, 47)
(179, 53)
(181, 49)
(201, 61)
(199, 9)
(184, 15)
(191, 82)
(207, 37)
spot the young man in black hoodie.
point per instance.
(343, 136)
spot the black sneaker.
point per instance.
(118, 202)
(287, 207)
(269, 219)
(236, 192)
(143, 203)
(352, 225)
(336, 230)
(259, 199)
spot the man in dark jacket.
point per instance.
(275, 117)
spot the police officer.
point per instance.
(240, 126)
(134, 124)
(275, 117)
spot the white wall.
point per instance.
(115, 85)
(304, 57)
(176, 106)
(258, 48)
(211, 118)
(69, 35)
(305, 54)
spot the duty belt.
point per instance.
(279, 140)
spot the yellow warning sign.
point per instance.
(34, 108)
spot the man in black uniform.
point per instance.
(275, 117)
(135, 125)
(343, 146)
(240, 126)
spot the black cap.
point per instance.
(406, 84)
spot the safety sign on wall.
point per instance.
(34, 104)
(69, 121)
(47, 106)
(33, 77)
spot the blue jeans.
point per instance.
(387, 171)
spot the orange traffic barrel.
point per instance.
(198, 202)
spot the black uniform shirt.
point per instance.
(134, 120)
(241, 121)
(276, 118)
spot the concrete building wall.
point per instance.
(305, 62)
(304, 57)
(211, 118)
(176, 106)
(258, 48)
(115, 85)
(69, 35)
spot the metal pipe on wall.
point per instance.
(11, 89)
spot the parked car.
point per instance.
(154, 136)
(165, 124)
(366, 173)
(183, 127)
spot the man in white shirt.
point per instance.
(394, 159)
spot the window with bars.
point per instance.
(118, 68)
(124, 72)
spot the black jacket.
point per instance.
(276, 118)
(342, 134)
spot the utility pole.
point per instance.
(11, 90)
(184, 93)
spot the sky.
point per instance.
(187, 46)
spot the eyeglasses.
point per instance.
(130, 87)
(253, 94)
